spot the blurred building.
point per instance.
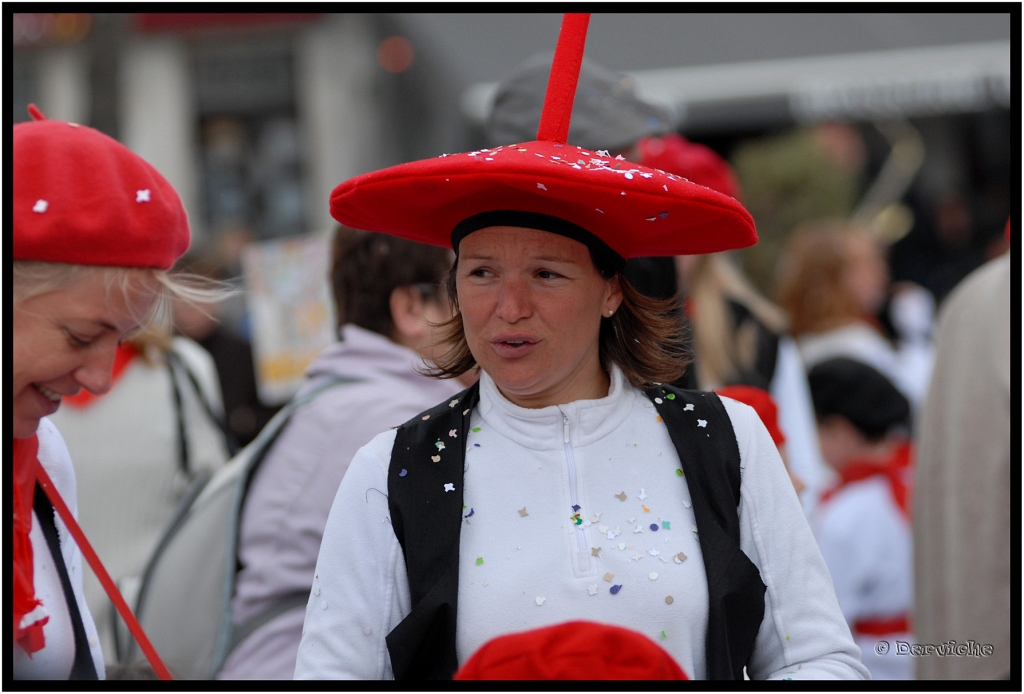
(256, 117)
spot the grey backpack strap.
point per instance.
(280, 605)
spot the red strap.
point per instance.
(565, 73)
(101, 573)
(124, 356)
(883, 626)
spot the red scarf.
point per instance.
(29, 638)
(895, 470)
(126, 353)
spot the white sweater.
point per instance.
(54, 661)
(519, 571)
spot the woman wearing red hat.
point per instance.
(95, 227)
(567, 484)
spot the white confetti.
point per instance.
(603, 528)
(665, 187)
(686, 503)
(688, 408)
(40, 206)
(638, 529)
(323, 604)
(637, 556)
(592, 589)
(603, 153)
(702, 422)
(654, 552)
(653, 576)
(453, 403)
(449, 487)
(368, 631)
(642, 495)
(540, 601)
(629, 176)
(595, 518)
(142, 195)
(622, 546)
(658, 400)
(542, 186)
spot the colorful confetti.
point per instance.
(670, 396)
(621, 496)
(471, 512)
(426, 417)
(403, 473)
(595, 551)
(644, 507)
(440, 445)
(615, 589)
(576, 507)
(479, 561)
(658, 418)
(669, 600)
(680, 558)
(667, 525)
(436, 458)
(609, 577)
(679, 472)
(664, 635)
(654, 527)
(522, 512)
(453, 434)
(475, 429)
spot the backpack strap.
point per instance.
(703, 436)
(83, 667)
(425, 500)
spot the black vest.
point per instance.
(428, 493)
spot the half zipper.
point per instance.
(581, 540)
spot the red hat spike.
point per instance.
(34, 111)
(565, 72)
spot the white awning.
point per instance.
(856, 86)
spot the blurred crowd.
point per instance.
(888, 401)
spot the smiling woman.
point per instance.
(95, 229)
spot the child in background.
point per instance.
(862, 522)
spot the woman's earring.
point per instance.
(610, 313)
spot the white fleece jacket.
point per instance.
(525, 564)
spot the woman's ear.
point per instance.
(613, 299)
(406, 305)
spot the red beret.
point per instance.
(81, 197)
(763, 404)
(634, 210)
(572, 651)
(695, 162)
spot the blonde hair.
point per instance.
(725, 353)
(811, 277)
(32, 278)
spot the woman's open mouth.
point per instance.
(513, 346)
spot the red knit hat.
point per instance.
(620, 210)
(696, 162)
(81, 197)
(763, 404)
(572, 651)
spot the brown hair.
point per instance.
(645, 337)
(366, 267)
(811, 284)
(727, 353)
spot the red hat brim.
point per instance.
(635, 210)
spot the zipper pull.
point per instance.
(565, 427)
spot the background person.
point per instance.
(962, 517)
(862, 522)
(95, 229)
(388, 299)
(833, 280)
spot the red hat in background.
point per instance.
(619, 209)
(763, 404)
(693, 161)
(81, 197)
(572, 651)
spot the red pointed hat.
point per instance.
(82, 197)
(696, 162)
(618, 209)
